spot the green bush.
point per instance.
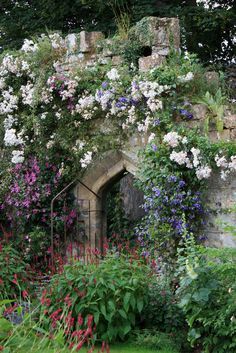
(155, 340)
(208, 298)
(162, 311)
(13, 275)
(162, 315)
(114, 291)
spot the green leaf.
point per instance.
(193, 317)
(5, 328)
(140, 304)
(122, 313)
(6, 301)
(133, 302)
(194, 335)
(96, 317)
(126, 328)
(103, 310)
(202, 295)
(111, 305)
(127, 301)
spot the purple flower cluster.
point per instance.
(186, 114)
(31, 185)
(171, 210)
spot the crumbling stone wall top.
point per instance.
(156, 35)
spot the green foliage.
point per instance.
(162, 311)
(216, 106)
(207, 293)
(5, 325)
(114, 292)
(117, 222)
(13, 275)
(156, 341)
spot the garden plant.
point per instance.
(155, 289)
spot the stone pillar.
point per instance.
(221, 197)
(160, 35)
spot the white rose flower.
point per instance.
(87, 159)
(179, 157)
(113, 74)
(17, 156)
(172, 139)
(151, 137)
(203, 172)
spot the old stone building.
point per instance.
(158, 36)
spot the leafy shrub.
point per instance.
(113, 291)
(12, 273)
(163, 315)
(208, 298)
(162, 311)
(155, 340)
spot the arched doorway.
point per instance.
(98, 179)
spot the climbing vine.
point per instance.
(63, 111)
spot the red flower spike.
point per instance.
(80, 345)
(80, 320)
(107, 348)
(90, 320)
(25, 294)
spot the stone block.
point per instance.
(230, 122)
(117, 60)
(161, 51)
(233, 134)
(88, 41)
(212, 77)
(199, 111)
(191, 124)
(107, 50)
(72, 42)
(149, 62)
(216, 136)
(159, 32)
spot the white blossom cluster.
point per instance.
(86, 160)
(65, 86)
(152, 89)
(186, 78)
(9, 102)
(226, 166)
(192, 158)
(16, 66)
(86, 106)
(172, 139)
(189, 158)
(9, 121)
(132, 116)
(27, 93)
(113, 74)
(17, 156)
(203, 172)
(29, 46)
(11, 138)
(46, 96)
(179, 157)
(57, 41)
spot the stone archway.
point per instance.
(103, 172)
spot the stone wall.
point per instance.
(158, 36)
(221, 198)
